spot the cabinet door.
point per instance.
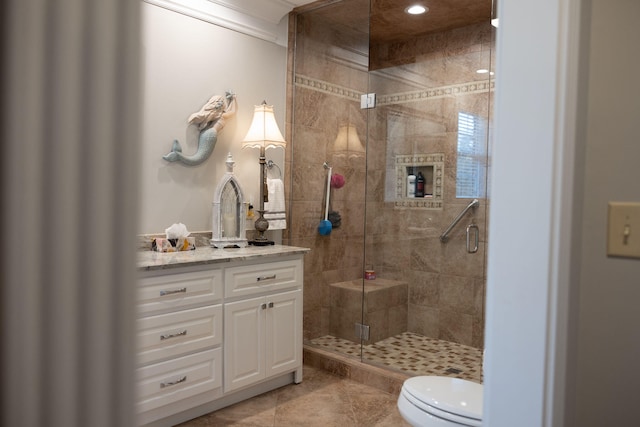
(283, 332)
(243, 343)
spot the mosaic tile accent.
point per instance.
(413, 354)
(438, 92)
(328, 88)
(399, 98)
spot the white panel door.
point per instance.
(283, 332)
(243, 343)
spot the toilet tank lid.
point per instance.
(453, 395)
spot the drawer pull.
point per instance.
(273, 276)
(175, 291)
(177, 334)
(170, 383)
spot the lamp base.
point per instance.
(261, 242)
(261, 224)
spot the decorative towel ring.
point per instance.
(271, 164)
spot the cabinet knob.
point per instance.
(263, 306)
(270, 305)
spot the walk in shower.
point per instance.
(400, 107)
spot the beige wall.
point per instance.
(184, 62)
(446, 285)
(566, 144)
(607, 345)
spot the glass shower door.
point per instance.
(330, 74)
(427, 151)
(382, 287)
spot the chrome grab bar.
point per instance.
(445, 236)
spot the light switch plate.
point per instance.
(624, 230)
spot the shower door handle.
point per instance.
(476, 231)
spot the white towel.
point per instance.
(275, 210)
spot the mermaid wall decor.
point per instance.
(210, 120)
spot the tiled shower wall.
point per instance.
(330, 74)
(421, 85)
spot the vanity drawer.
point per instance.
(168, 382)
(176, 291)
(173, 334)
(256, 278)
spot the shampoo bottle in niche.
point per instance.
(420, 185)
(411, 186)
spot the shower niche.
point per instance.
(429, 166)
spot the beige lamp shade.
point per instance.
(264, 131)
(347, 140)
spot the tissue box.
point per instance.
(173, 245)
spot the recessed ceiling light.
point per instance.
(416, 9)
(482, 71)
(495, 22)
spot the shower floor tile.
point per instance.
(413, 354)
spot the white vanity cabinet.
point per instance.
(263, 338)
(262, 322)
(211, 334)
(179, 342)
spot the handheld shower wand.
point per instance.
(325, 226)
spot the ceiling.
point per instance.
(389, 22)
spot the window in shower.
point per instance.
(471, 163)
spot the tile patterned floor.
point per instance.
(413, 354)
(322, 399)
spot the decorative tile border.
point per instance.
(326, 87)
(439, 92)
(400, 98)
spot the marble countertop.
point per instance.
(150, 260)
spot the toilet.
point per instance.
(432, 401)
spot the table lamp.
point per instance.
(263, 133)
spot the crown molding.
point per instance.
(257, 18)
